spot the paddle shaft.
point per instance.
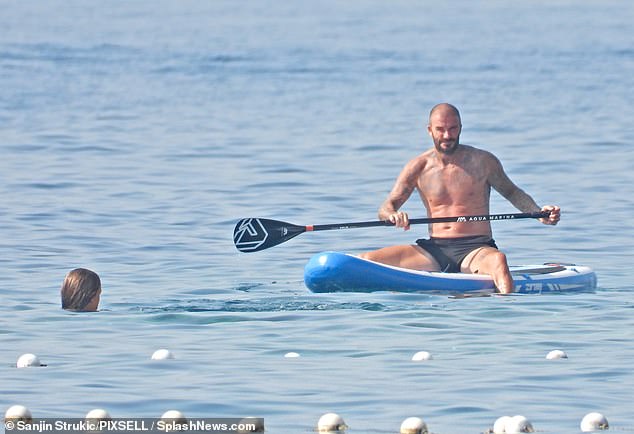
(429, 220)
(255, 234)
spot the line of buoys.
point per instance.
(330, 422)
(552, 355)
(29, 360)
(333, 423)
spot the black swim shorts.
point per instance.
(450, 252)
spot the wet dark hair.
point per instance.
(79, 288)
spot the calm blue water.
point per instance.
(134, 135)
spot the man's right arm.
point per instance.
(402, 190)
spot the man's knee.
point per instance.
(500, 272)
(366, 255)
(493, 261)
(375, 255)
(485, 261)
(499, 258)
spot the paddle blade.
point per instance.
(254, 234)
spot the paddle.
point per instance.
(255, 234)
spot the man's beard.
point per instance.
(447, 150)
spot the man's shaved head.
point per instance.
(444, 108)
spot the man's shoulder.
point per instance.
(425, 155)
(472, 148)
(421, 160)
(478, 152)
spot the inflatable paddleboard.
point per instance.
(342, 272)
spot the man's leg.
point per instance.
(405, 256)
(489, 260)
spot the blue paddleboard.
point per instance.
(342, 272)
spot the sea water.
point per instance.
(134, 135)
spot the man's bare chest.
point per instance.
(452, 182)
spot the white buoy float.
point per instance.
(170, 418)
(556, 354)
(421, 356)
(499, 427)
(331, 422)
(173, 416)
(97, 414)
(518, 424)
(18, 412)
(414, 425)
(291, 355)
(162, 354)
(28, 360)
(594, 422)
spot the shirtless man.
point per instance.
(453, 179)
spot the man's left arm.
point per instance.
(518, 197)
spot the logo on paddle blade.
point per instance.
(249, 235)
